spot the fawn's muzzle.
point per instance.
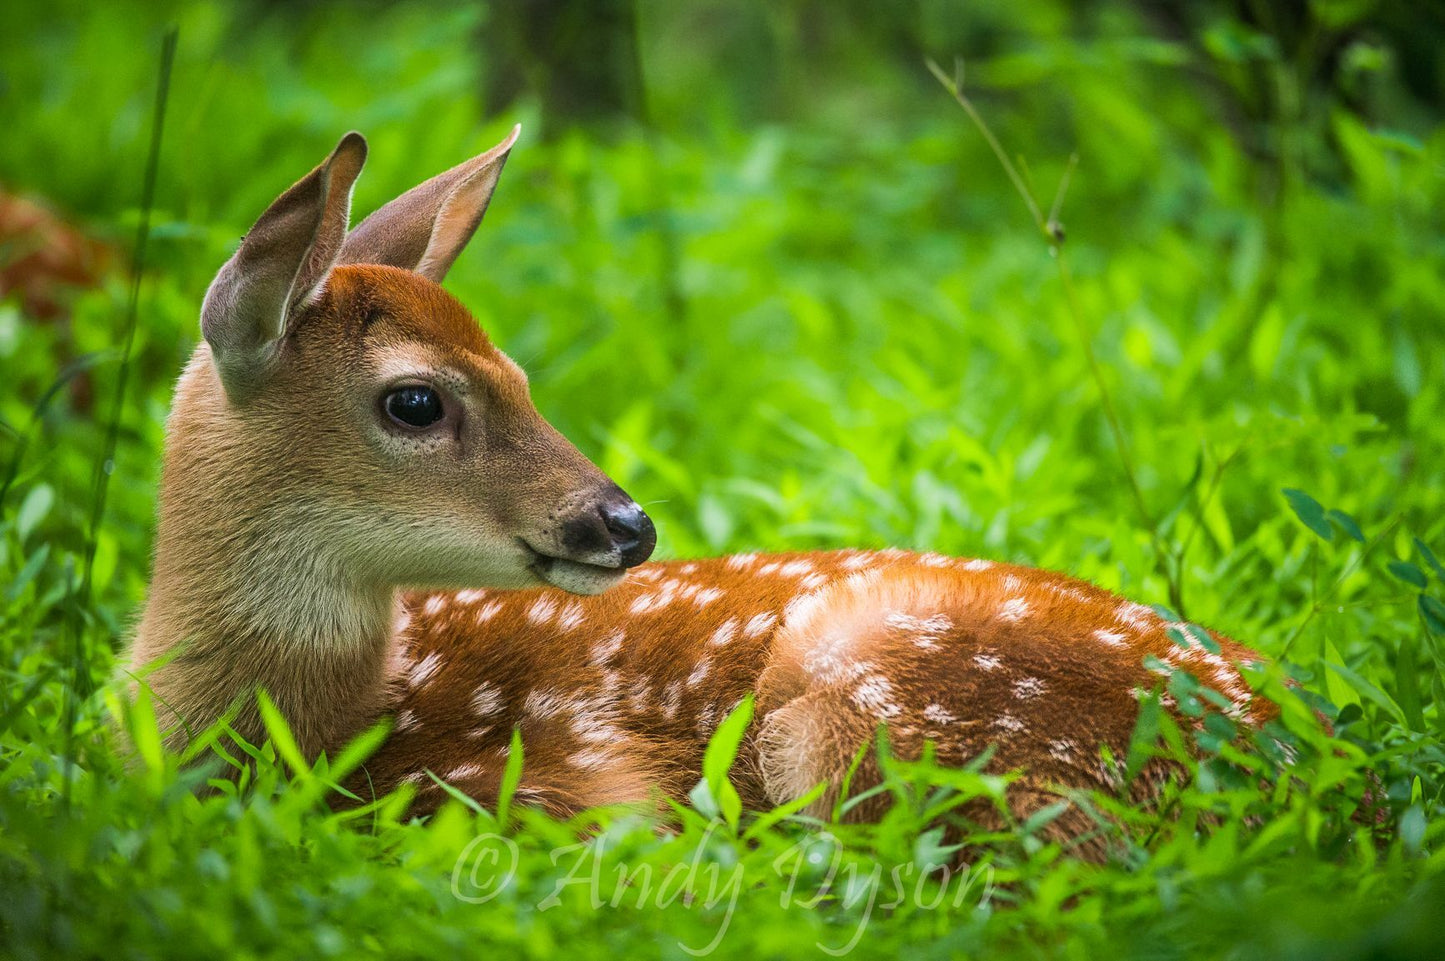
(614, 528)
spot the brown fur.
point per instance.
(839, 643)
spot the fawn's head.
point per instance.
(364, 404)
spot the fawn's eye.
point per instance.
(414, 406)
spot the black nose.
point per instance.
(632, 532)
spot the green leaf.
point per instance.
(28, 573)
(1434, 614)
(281, 737)
(703, 800)
(1412, 828)
(33, 508)
(1202, 635)
(721, 751)
(1340, 693)
(1346, 523)
(359, 749)
(1408, 573)
(1366, 690)
(1430, 559)
(511, 777)
(930, 853)
(1310, 513)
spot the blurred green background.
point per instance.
(762, 268)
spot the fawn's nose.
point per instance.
(614, 531)
(632, 531)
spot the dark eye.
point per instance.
(414, 406)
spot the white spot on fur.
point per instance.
(796, 568)
(987, 661)
(424, 669)
(875, 695)
(699, 672)
(638, 700)
(591, 759)
(608, 647)
(1109, 638)
(463, 772)
(470, 597)
(595, 729)
(571, 616)
(725, 633)
(543, 704)
(926, 632)
(707, 596)
(671, 699)
(1136, 616)
(1069, 592)
(488, 611)
(829, 661)
(1013, 609)
(938, 714)
(760, 623)
(406, 720)
(433, 605)
(1008, 723)
(688, 568)
(487, 700)
(1061, 749)
(857, 562)
(740, 562)
(707, 720)
(977, 564)
(542, 610)
(813, 581)
(934, 559)
(1027, 688)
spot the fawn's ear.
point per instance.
(425, 228)
(281, 266)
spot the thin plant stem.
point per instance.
(1054, 233)
(954, 86)
(80, 601)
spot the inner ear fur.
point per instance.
(425, 228)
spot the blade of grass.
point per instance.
(79, 603)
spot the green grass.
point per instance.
(834, 327)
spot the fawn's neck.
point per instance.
(248, 592)
(218, 631)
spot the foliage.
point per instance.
(823, 321)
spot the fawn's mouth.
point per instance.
(576, 577)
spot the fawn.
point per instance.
(362, 512)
